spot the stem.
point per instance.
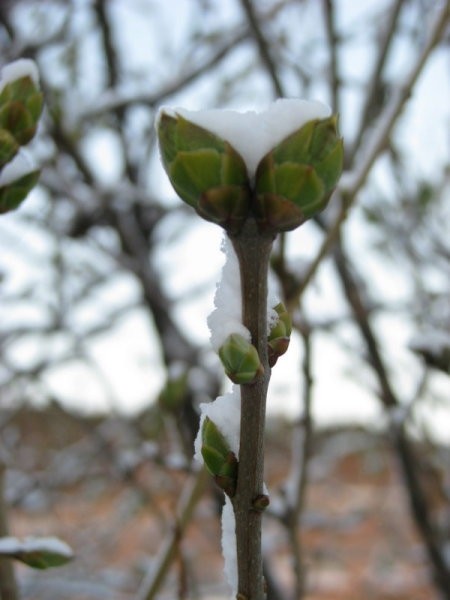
(253, 252)
(8, 587)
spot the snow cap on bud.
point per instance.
(220, 461)
(294, 181)
(21, 104)
(240, 359)
(205, 171)
(279, 336)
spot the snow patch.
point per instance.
(253, 134)
(225, 412)
(12, 545)
(229, 545)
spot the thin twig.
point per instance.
(330, 29)
(352, 181)
(191, 495)
(263, 47)
(8, 586)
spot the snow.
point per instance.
(434, 341)
(24, 67)
(227, 316)
(253, 134)
(225, 412)
(21, 165)
(12, 545)
(229, 545)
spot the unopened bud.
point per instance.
(220, 461)
(240, 359)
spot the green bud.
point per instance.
(14, 193)
(205, 171)
(8, 147)
(21, 105)
(294, 181)
(279, 336)
(240, 359)
(220, 461)
(173, 394)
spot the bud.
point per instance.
(279, 336)
(220, 461)
(205, 171)
(21, 105)
(294, 181)
(240, 359)
(12, 194)
(173, 394)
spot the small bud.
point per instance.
(12, 194)
(220, 461)
(279, 336)
(205, 171)
(173, 394)
(294, 181)
(261, 502)
(240, 359)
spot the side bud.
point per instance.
(173, 395)
(205, 171)
(294, 181)
(220, 461)
(240, 359)
(279, 336)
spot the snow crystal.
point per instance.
(254, 134)
(229, 545)
(24, 67)
(21, 165)
(225, 412)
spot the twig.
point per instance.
(8, 586)
(263, 47)
(352, 181)
(253, 252)
(154, 579)
(330, 29)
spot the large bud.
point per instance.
(205, 171)
(220, 461)
(240, 359)
(294, 181)
(280, 333)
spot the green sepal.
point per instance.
(240, 359)
(13, 194)
(205, 171)
(220, 461)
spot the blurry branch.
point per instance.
(333, 40)
(353, 180)
(114, 100)
(298, 478)
(263, 47)
(417, 498)
(8, 587)
(191, 495)
(374, 91)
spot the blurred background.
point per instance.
(106, 280)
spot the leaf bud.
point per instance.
(240, 359)
(220, 461)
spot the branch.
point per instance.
(263, 47)
(330, 29)
(189, 499)
(352, 181)
(8, 587)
